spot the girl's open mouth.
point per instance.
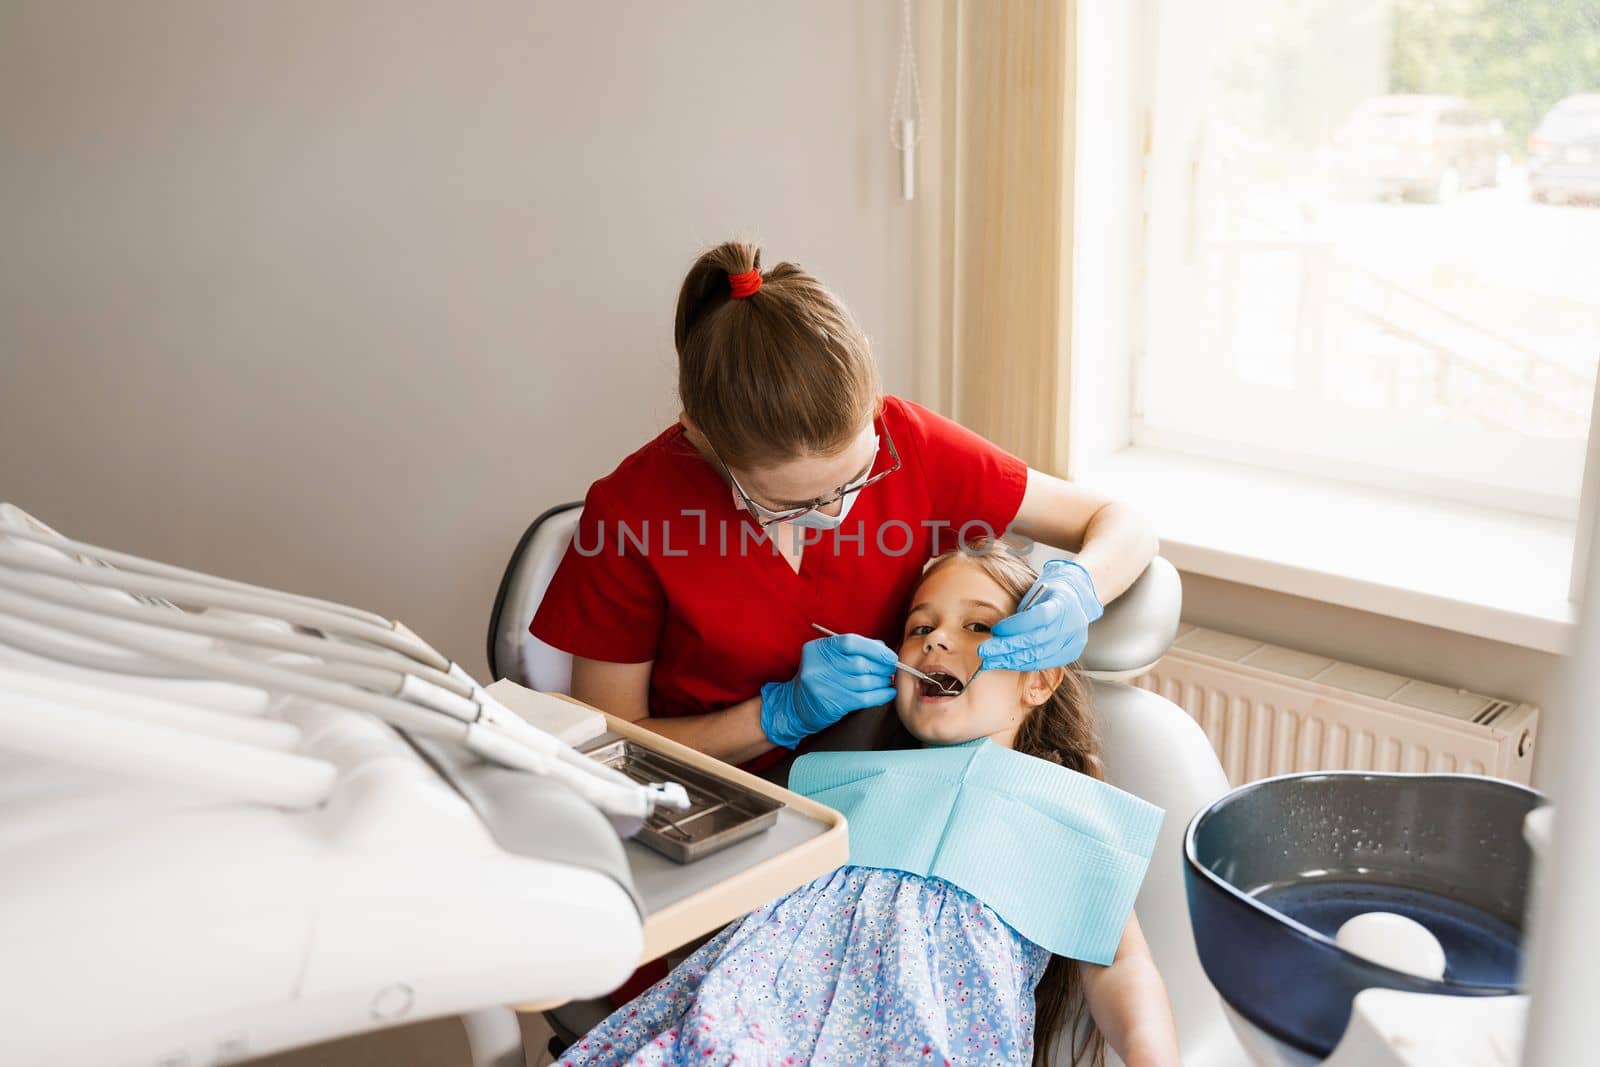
(943, 685)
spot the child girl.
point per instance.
(867, 965)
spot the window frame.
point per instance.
(1113, 107)
(1295, 430)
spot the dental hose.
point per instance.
(484, 726)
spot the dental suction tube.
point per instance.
(83, 734)
(61, 605)
(186, 592)
(128, 563)
(236, 630)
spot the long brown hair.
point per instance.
(1060, 730)
(784, 372)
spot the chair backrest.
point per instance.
(1151, 747)
(1155, 750)
(1135, 631)
(515, 653)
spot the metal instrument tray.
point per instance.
(720, 812)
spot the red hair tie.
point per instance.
(746, 284)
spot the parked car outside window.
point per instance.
(1564, 152)
(1418, 147)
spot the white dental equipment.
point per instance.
(235, 821)
(54, 604)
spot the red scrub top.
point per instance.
(665, 566)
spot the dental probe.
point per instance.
(908, 668)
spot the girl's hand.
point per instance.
(1129, 1003)
(1053, 626)
(1155, 1057)
(838, 675)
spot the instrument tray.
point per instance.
(720, 812)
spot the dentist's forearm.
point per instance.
(1113, 542)
(732, 734)
(1118, 545)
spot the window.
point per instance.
(1369, 247)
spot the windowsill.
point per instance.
(1494, 574)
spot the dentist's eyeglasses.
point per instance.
(765, 516)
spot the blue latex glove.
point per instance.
(838, 675)
(1052, 627)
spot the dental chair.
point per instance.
(1150, 747)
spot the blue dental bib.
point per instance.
(1056, 854)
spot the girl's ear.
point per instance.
(1041, 684)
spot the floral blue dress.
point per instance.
(861, 966)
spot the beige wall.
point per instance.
(337, 297)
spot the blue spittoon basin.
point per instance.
(1274, 867)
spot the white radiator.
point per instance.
(1271, 710)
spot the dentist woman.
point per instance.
(793, 492)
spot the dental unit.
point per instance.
(235, 820)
